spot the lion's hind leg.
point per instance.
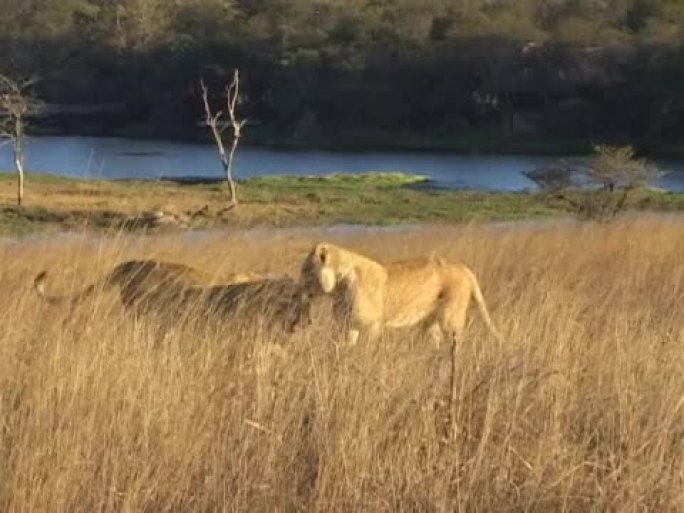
(451, 315)
(452, 320)
(435, 334)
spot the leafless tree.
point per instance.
(16, 105)
(218, 126)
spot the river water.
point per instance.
(119, 158)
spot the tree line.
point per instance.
(358, 70)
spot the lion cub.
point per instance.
(371, 296)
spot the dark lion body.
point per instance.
(175, 291)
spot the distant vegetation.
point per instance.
(489, 75)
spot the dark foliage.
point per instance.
(332, 70)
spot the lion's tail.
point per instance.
(482, 307)
(39, 287)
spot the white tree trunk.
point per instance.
(19, 164)
(19, 160)
(229, 173)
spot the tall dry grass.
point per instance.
(581, 410)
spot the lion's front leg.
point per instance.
(353, 337)
(372, 332)
(369, 333)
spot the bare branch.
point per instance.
(232, 95)
(233, 92)
(205, 95)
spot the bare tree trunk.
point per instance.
(19, 158)
(19, 164)
(227, 164)
(229, 173)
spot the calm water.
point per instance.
(127, 158)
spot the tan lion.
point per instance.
(371, 296)
(153, 287)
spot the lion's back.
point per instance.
(412, 291)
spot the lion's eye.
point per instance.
(323, 254)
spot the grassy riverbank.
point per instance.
(56, 203)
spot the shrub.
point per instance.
(600, 187)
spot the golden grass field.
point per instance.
(582, 409)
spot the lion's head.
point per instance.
(318, 272)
